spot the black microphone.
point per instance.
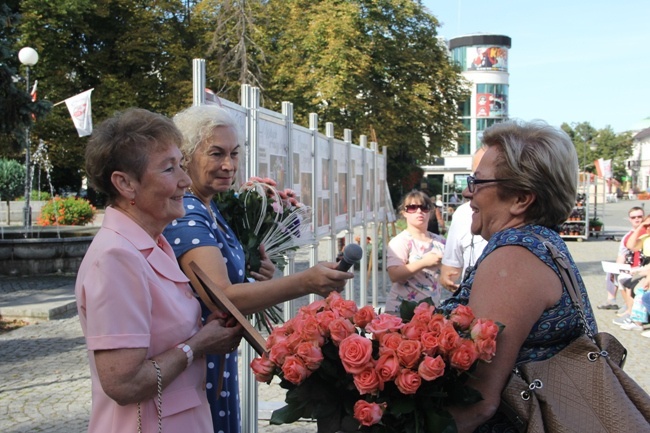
(352, 254)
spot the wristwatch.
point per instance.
(188, 352)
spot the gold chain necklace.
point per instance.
(214, 218)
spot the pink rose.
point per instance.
(483, 329)
(463, 356)
(345, 308)
(294, 370)
(431, 368)
(311, 355)
(423, 313)
(276, 336)
(390, 340)
(355, 351)
(314, 307)
(486, 349)
(294, 340)
(368, 413)
(408, 381)
(364, 316)
(430, 343)
(324, 318)
(387, 366)
(279, 352)
(449, 338)
(463, 316)
(409, 353)
(340, 329)
(413, 330)
(436, 323)
(367, 382)
(263, 368)
(310, 332)
(384, 323)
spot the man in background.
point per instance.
(462, 249)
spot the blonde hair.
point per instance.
(540, 159)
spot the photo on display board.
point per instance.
(325, 174)
(305, 188)
(296, 168)
(263, 170)
(326, 211)
(343, 194)
(278, 170)
(319, 216)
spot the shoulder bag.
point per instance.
(583, 388)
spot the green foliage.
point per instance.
(17, 108)
(71, 211)
(606, 144)
(12, 179)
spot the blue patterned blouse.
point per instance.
(558, 325)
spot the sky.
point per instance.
(570, 61)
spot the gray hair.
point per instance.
(197, 124)
(537, 158)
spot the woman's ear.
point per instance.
(522, 202)
(123, 184)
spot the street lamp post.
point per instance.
(28, 57)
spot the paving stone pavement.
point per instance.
(45, 381)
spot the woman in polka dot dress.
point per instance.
(211, 151)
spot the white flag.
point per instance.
(81, 113)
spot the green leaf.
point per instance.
(287, 414)
(439, 421)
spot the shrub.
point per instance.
(70, 211)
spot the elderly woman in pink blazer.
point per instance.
(146, 343)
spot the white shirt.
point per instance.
(462, 248)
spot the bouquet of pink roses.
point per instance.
(354, 370)
(260, 214)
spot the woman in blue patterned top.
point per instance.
(211, 151)
(524, 187)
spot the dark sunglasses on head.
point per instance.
(412, 208)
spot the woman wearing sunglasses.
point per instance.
(414, 255)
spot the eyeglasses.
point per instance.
(632, 217)
(472, 182)
(412, 208)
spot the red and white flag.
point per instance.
(34, 91)
(81, 113)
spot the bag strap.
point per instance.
(568, 277)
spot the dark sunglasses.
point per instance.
(412, 208)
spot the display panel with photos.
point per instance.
(340, 189)
(370, 183)
(323, 185)
(272, 150)
(356, 184)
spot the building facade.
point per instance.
(483, 59)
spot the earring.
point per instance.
(132, 202)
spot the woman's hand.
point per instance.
(221, 334)
(267, 268)
(432, 258)
(324, 278)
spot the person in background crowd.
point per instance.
(462, 249)
(211, 153)
(413, 256)
(625, 256)
(638, 240)
(141, 322)
(524, 186)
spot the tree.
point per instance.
(363, 64)
(17, 108)
(133, 53)
(606, 144)
(12, 181)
